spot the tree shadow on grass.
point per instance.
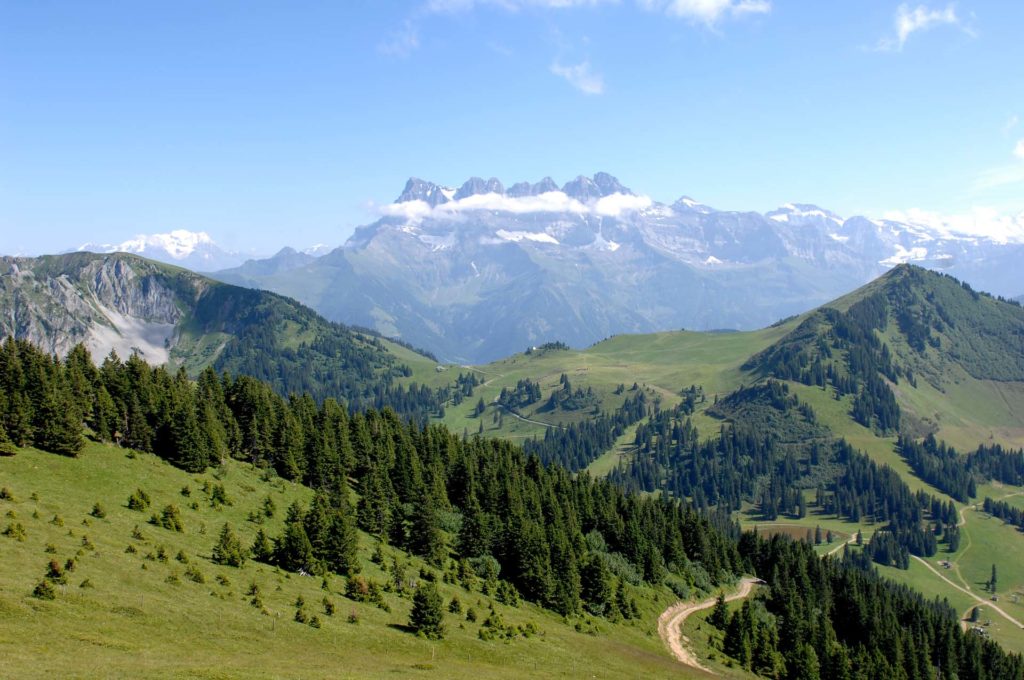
(402, 627)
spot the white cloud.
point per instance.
(1018, 150)
(1011, 123)
(616, 204)
(981, 221)
(580, 77)
(921, 18)
(707, 11)
(548, 202)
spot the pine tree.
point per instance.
(425, 537)
(292, 549)
(427, 617)
(595, 585)
(262, 550)
(59, 425)
(342, 544)
(228, 549)
(720, 615)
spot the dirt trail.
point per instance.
(670, 623)
(524, 419)
(988, 603)
(843, 544)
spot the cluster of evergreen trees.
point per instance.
(525, 393)
(577, 445)
(957, 475)
(771, 454)
(834, 619)
(809, 355)
(567, 399)
(420, 488)
(1004, 511)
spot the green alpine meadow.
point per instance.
(471, 339)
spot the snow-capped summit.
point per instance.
(802, 212)
(191, 249)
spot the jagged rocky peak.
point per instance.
(586, 189)
(521, 189)
(610, 185)
(476, 185)
(417, 189)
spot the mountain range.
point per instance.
(480, 271)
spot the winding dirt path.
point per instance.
(670, 623)
(988, 603)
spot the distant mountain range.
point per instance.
(480, 271)
(190, 249)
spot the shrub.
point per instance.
(219, 496)
(193, 574)
(44, 591)
(138, 500)
(169, 518)
(16, 531)
(98, 511)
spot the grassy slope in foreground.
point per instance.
(134, 623)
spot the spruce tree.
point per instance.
(342, 544)
(427, 617)
(595, 585)
(228, 549)
(720, 615)
(425, 537)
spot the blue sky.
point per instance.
(271, 124)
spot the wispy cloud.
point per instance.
(707, 11)
(1018, 150)
(463, 5)
(401, 43)
(1011, 123)
(580, 76)
(910, 20)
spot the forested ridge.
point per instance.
(485, 510)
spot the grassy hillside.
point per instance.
(170, 315)
(956, 358)
(661, 363)
(161, 608)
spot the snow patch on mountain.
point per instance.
(516, 236)
(904, 255)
